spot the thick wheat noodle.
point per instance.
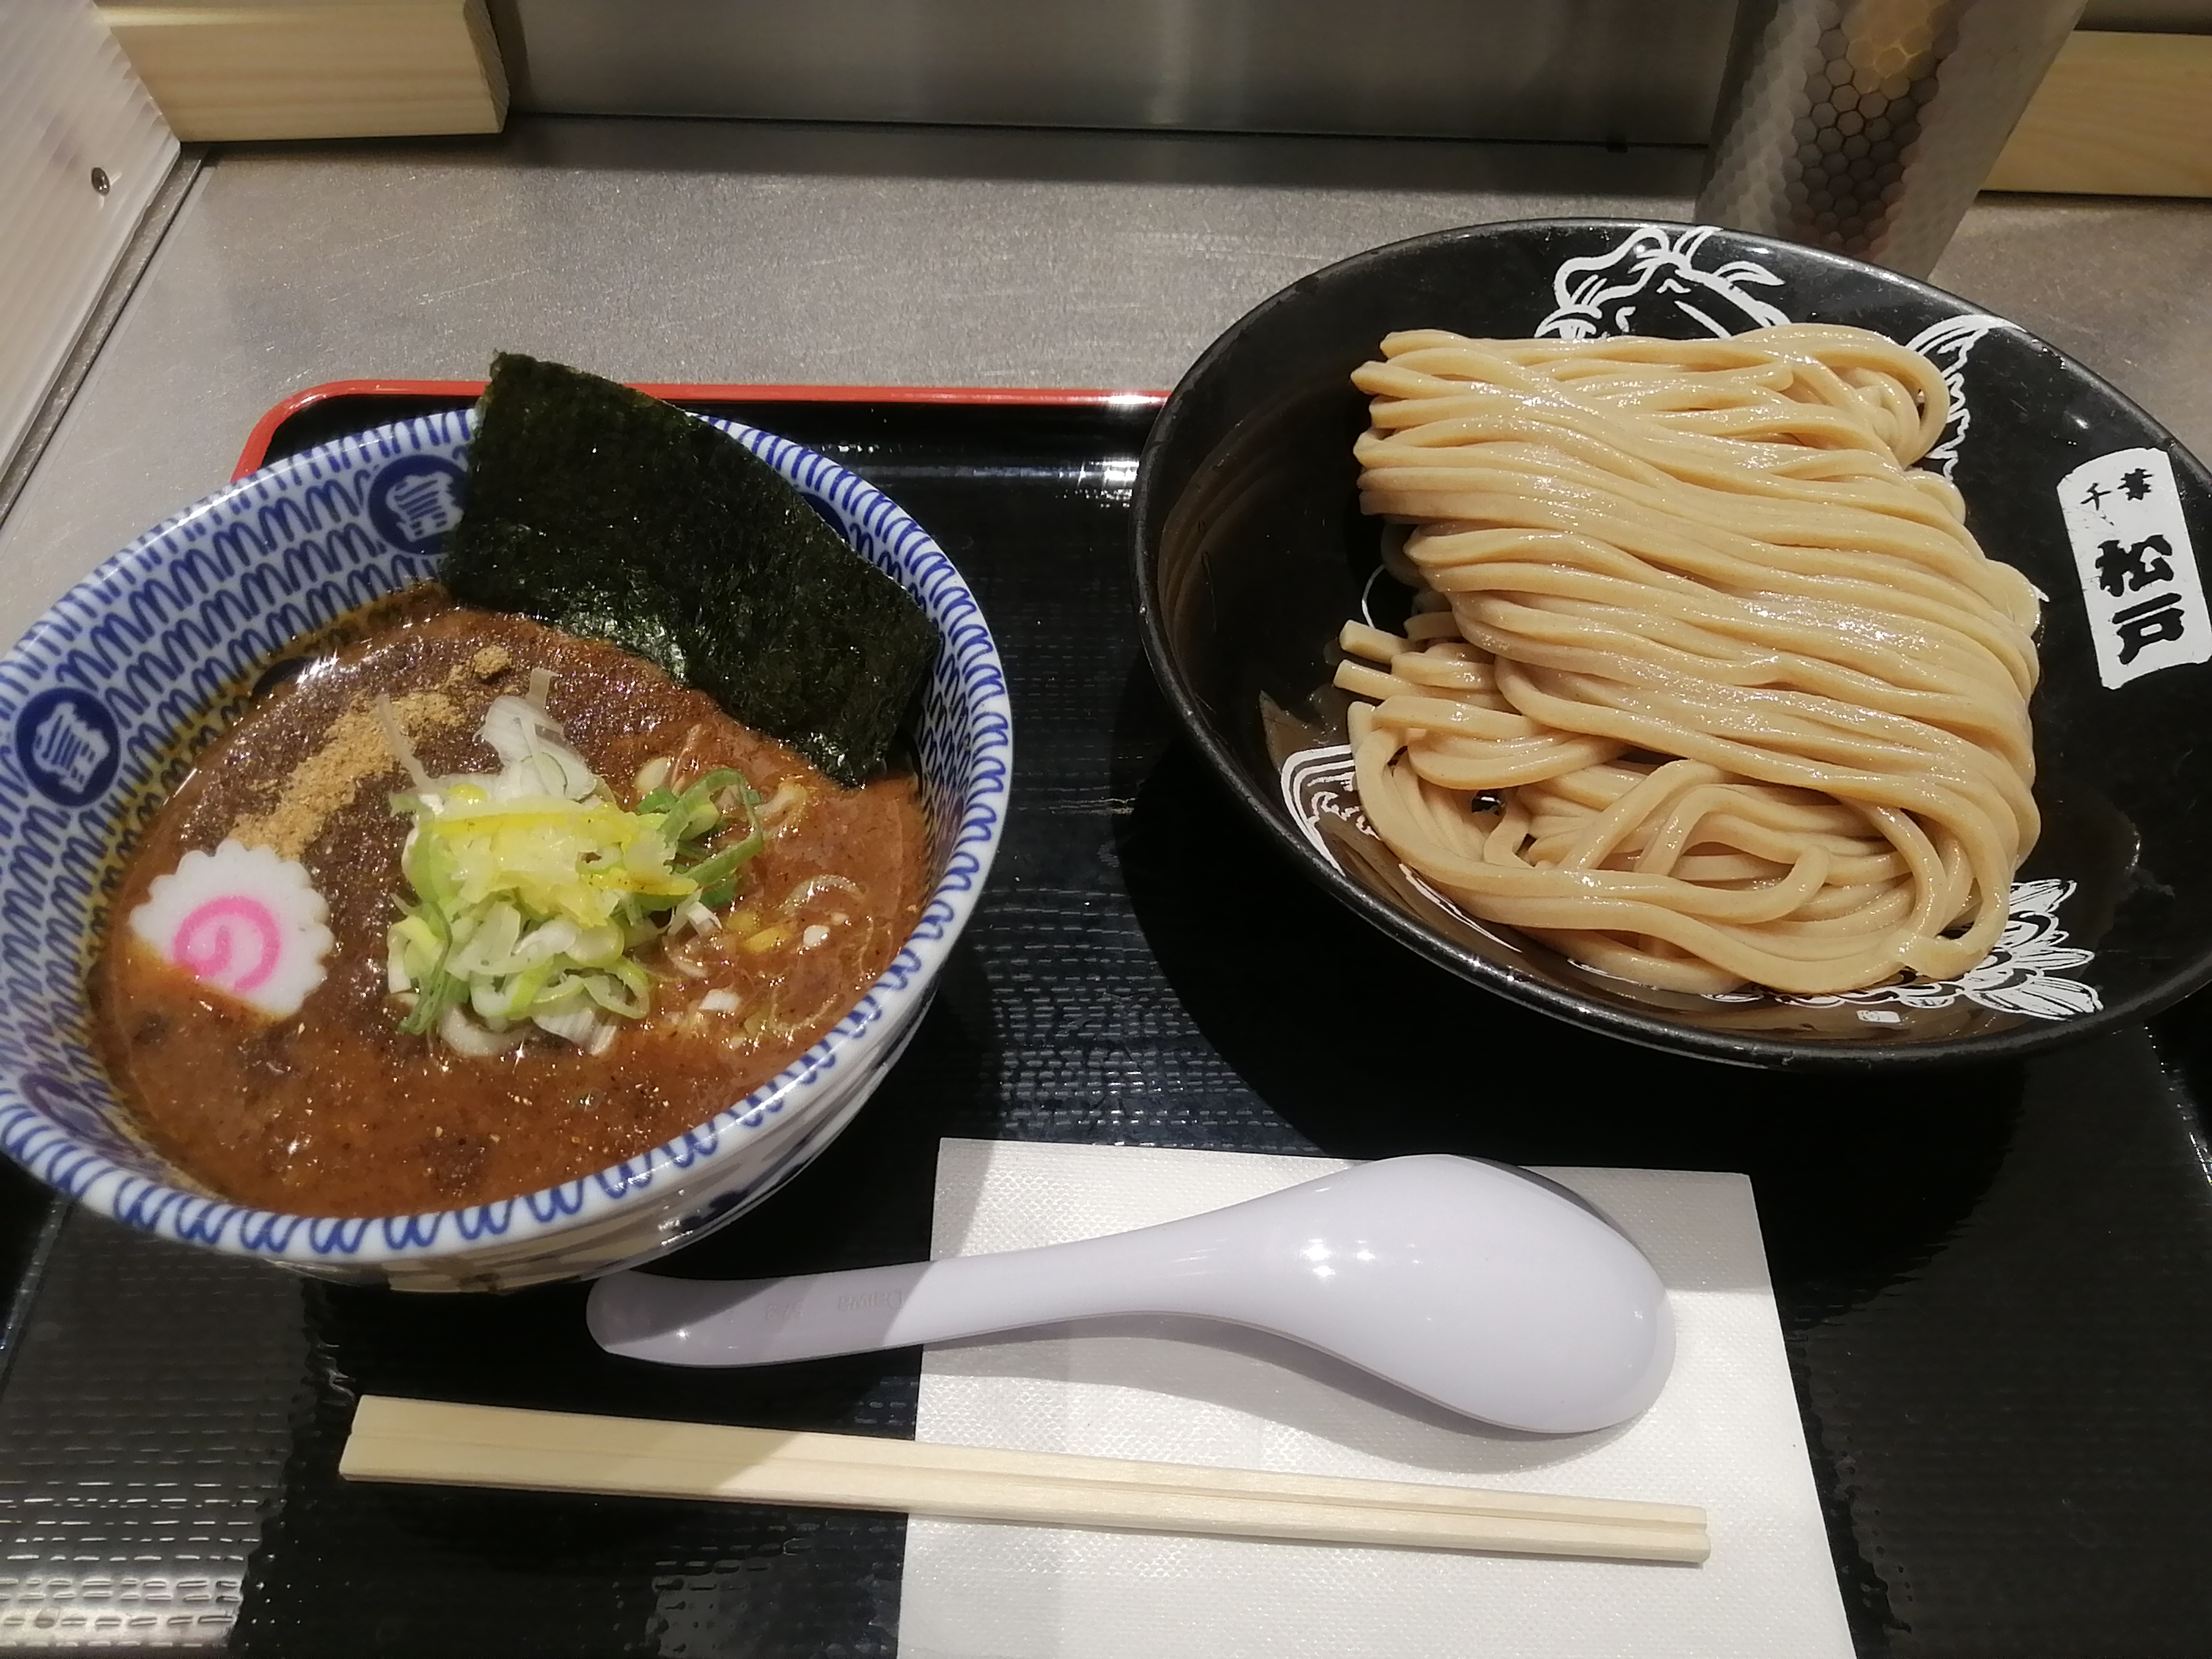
(1705, 684)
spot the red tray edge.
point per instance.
(257, 442)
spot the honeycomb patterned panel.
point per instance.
(143, 1431)
(1868, 126)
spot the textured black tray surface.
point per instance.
(1995, 1284)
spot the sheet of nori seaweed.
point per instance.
(603, 511)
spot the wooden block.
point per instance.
(317, 68)
(2118, 115)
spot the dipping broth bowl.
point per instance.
(104, 700)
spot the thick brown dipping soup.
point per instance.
(335, 1110)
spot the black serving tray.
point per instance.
(1995, 1284)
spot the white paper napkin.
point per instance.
(1725, 1435)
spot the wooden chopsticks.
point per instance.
(430, 1441)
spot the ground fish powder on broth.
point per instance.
(336, 1111)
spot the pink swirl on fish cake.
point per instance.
(242, 921)
(203, 940)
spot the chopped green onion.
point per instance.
(532, 888)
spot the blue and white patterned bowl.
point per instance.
(107, 697)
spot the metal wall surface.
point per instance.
(1643, 70)
(82, 152)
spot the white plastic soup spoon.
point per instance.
(1478, 1287)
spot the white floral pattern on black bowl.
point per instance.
(137, 666)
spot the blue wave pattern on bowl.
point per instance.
(163, 639)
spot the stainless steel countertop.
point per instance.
(732, 252)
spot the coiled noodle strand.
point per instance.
(1706, 683)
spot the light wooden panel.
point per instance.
(318, 69)
(2118, 115)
